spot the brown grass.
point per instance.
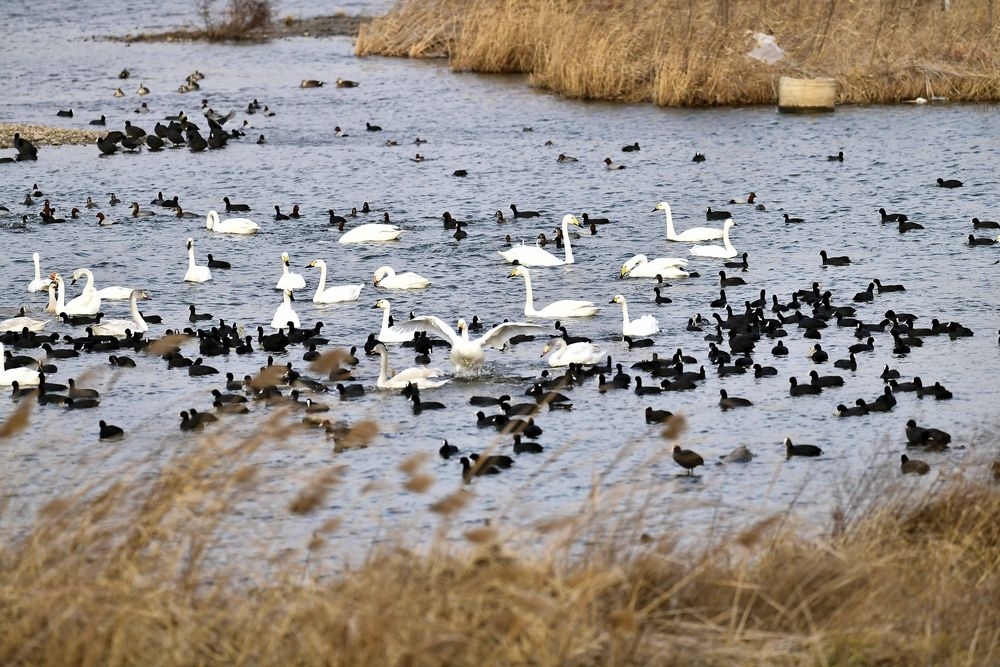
(137, 570)
(685, 52)
(237, 20)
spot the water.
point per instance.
(480, 123)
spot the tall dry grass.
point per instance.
(686, 52)
(134, 570)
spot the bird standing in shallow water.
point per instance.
(687, 459)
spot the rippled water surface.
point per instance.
(481, 124)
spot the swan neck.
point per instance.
(322, 279)
(136, 315)
(385, 320)
(624, 313)
(726, 241)
(670, 223)
(566, 242)
(38, 270)
(529, 306)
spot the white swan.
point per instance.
(389, 279)
(289, 280)
(195, 273)
(88, 302)
(694, 234)
(533, 255)
(725, 251)
(640, 326)
(334, 294)
(24, 377)
(230, 225)
(39, 284)
(52, 305)
(372, 231)
(556, 309)
(119, 328)
(469, 355)
(575, 353)
(284, 314)
(639, 266)
(115, 293)
(419, 376)
(389, 334)
(21, 323)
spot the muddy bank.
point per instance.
(316, 26)
(42, 135)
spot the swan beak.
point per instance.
(655, 210)
(623, 273)
(375, 283)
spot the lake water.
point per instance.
(894, 154)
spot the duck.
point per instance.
(142, 90)
(741, 454)
(566, 158)
(800, 450)
(646, 325)
(693, 234)
(120, 328)
(38, 284)
(104, 221)
(389, 333)
(422, 377)
(555, 310)
(523, 214)
(727, 402)
(726, 251)
(230, 225)
(841, 260)
(196, 273)
(909, 466)
(839, 157)
(892, 217)
(140, 213)
(278, 215)
(371, 232)
(687, 459)
(639, 266)
(284, 316)
(611, 165)
(311, 83)
(563, 354)
(387, 278)
(631, 148)
(346, 83)
(468, 355)
(218, 263)
(335, 294)
(949, 183)
(289, 281)
(526, 255)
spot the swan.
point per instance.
(389, 334)
(21, 323)
(688, 235)
(334, 294)
(640, 326)
(120, 328)
(230, 225)
(389, 279)
(25, 377)
(533, 255)
(52, 305)
(39, 284)
(639, 266)
(420, 377)
(289, 281)
(284, 314)
(724, 251)
(556, 309)
(195, 273)
(372, 231)
(115, 293)
(469, 355)
(575, 353)
(88, 302)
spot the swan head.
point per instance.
(316, 263)
(284, 258)
(289, 295)
(211, 219)
(618, 298)
(662, 206)
(79, 273)
(518, 271)
(461, 325)
(381, 303)
(570, 219)
(728, 224)
(380, 274)
(190, 244)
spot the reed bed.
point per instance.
(134, 569)
(687, 53)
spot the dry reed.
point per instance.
(688, 53)
(131, 571)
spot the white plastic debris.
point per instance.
(767, 50)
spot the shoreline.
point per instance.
(46, 135)
(338, 25)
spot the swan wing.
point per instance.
(498, 336)
(429, 323)
(527, 255)
(339, 293)
(696, 234)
